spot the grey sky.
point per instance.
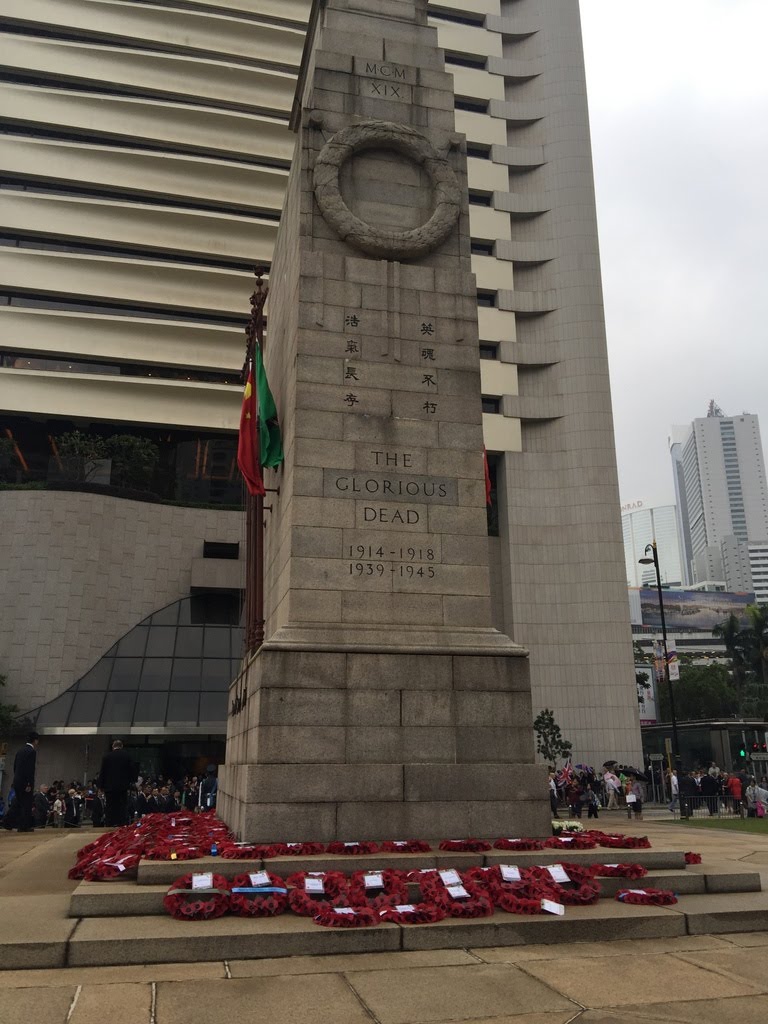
(678, 93)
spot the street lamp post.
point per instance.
(654, 561)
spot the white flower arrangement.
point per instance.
(559, 825)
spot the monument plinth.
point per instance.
(382, 704)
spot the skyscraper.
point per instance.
(641, 525)
(145, 159)
(719, 464)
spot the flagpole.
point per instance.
(254, 504)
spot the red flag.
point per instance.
(248, 444)
(487, 479)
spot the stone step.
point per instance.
(126, 899)
(142, 940)
(163, 872)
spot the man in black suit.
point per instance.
(24, 781)
(118, 773)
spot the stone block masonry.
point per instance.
(381, 667)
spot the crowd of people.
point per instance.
(118, 796)
(583, 789)
(719, 792)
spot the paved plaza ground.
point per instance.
(701, 979)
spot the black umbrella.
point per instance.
(609, 764)
(629, 770)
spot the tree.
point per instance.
(549, 739)
(81, 453)
(133, 460)
(734, 639)
(757, 640)
(703, 691)
(643, 686)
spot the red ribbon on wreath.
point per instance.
(619, 870)
(354, 917)
(405, 846)
(259, 901)
(352, 849)
(393, 891)
(692, 858)
(518, 844)
(647, 897)
(417, 913)
(465, 845)
(187, 904)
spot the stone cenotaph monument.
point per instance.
(382, 704)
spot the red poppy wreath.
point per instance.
(259, 894)
(185, 903)
(647, 897)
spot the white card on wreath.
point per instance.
(345, 910)
(558, 873)
(552, 908)
(639, 892)
(314, 885)
(510, 872)
(202, 881)
(458, 892)
(405, 908)
(450, 877)
(260, 878)
(373, 880)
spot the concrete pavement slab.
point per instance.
(434, 994)
(654, 978)
(733, 964)
(26, 1005)
(353, 962)
(319, 999)
(746, 939)
(738, 1010)
(118, 1004)
(621, 947)
(111, 975)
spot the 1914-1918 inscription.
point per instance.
(391, 497)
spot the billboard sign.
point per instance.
(693, 609)
(646, 699)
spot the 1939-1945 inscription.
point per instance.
(391, 499)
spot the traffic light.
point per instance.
(755, 746)
(742, 752)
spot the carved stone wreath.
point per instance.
(377, 241)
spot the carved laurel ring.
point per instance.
(375, 241)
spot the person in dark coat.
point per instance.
(209, 789)
(118, 773)
(24, 782)
(41, 807)
(71, 810)
(710, 790)
(97, 809)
